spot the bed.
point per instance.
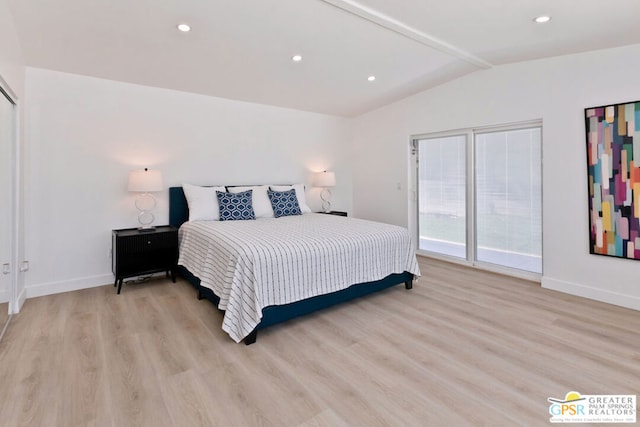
(269, 270)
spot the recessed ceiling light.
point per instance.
(184, 28)
(542, 19)
(296, 58)
(371, 78)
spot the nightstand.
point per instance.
(338, 213)
(136, 252)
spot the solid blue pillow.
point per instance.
(284, 203)
(235, 206)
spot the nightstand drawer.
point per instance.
(147, 242)
(134, 264)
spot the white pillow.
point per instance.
(260, 199)
(302, 198)
(202, 202)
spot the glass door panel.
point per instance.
(509, 198)
(442, 195)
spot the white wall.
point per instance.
(555, 90)
(12, 72)
(85, 134)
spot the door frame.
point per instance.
(414, 213)
(5, 91)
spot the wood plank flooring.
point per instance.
(4, 314)
(463, 347)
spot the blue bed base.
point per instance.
(179, 213)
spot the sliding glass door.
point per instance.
(480, 196)
(442, 202)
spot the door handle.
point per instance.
(5, 268)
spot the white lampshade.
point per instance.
(145, 180)
(324, 179)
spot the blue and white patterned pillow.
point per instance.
(284, 203)
(235, 206)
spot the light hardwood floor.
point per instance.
(463, 347)
(4, 316)
(4, 313)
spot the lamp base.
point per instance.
(145, 204)
(325, 195)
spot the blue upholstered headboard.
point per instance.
(178, 208)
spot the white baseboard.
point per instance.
(4, 296)
(623, 300)
(51, 288)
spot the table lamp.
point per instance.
(325, 180)
(145, 182)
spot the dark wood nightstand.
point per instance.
(136, 252)
(338, 213)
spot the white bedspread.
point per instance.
(273, 261)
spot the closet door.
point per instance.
(7, 270)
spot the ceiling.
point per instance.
(242, 49)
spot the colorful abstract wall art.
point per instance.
(613, 162)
